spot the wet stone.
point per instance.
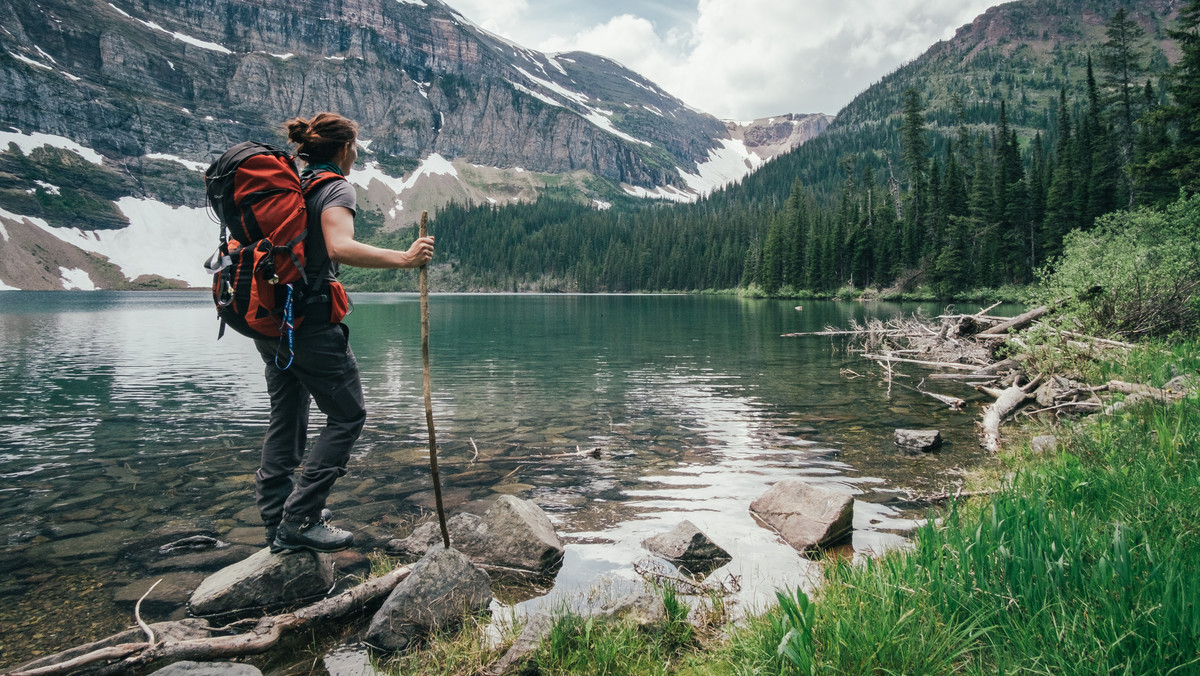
(807, 517)
(208, 560)
(264, 580)
(168, 595)
(187, 668)
(73, 529)
(97, 544)
(452, 497)
(253, 536)
(688, 547)
(918, 440)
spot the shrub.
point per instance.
(1136, 274)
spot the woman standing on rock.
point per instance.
(323, 369)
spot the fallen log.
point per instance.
(1009, 400)
(1019, 322)
(953, 402)
(1137, 388)
(936, 364)
(135, 657)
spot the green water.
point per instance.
(125, 424)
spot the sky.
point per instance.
(737, 59)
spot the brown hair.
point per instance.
(322, 137)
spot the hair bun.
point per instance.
(298, 130)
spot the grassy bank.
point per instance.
(1084, 561)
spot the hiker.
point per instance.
(322, 366)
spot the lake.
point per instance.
(125, 422)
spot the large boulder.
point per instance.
(806, 516)
(513, 534)
(263, 581)
(441, 589)
(688, 547)
(918, 440)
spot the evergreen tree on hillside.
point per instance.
(1182, 159)
(1120, 58)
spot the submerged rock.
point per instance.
(513, 534)
(187, 668)
(918, 440)
(264, 580)
(442, 589)
(806, 516)
(689, 548)
(171, 591)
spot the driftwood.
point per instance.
(1005, 404)
(135, 657)
(937, 498)
(1016, 323)
(953, 402)
(937, 364)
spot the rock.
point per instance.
(641, 606)
(806, 516)
(1046, 443)
(208, 669)
(180, 630)
(688, 547)
(443, 587)
(1187, 382)
(537, 628)
(512, 534)
(172, 592)
(106, 543)
(204, 561)
(262, 581)
(918, 440)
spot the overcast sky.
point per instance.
(738, 59)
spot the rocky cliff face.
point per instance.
(191, 77)
(156, 89)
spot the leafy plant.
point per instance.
(797, 644)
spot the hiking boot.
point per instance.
(317, 536)
(326, 517)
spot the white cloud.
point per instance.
(745, 58)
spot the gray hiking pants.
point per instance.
(323, 370)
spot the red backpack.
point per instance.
(260, 285)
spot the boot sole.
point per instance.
(280, 548)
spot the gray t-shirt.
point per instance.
(335, 193)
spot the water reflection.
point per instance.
(125, 424)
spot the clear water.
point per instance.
(124, 422)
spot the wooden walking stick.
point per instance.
(433, 465)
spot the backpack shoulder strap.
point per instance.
(309, 182)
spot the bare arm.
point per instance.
(337, 223)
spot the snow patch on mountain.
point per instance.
(75, 279)
(597, 118)
(662, 192)
(537, 95)
(727, 164)
(182, 37)
(190, 164)
(28, 142)
(32, 62)
(160, 240)
(434, 165)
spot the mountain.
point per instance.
(109, 111)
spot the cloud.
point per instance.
(752, 58)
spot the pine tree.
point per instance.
(1120, 57)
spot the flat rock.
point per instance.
(806, 516)
(512, 534)
(173, 591)
(918, 440)
(252, 536)
(205, 561)
(264, 580)
(208, 669)
(442, 589)
(1046, 443)
(688, 547)
(105, 543)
